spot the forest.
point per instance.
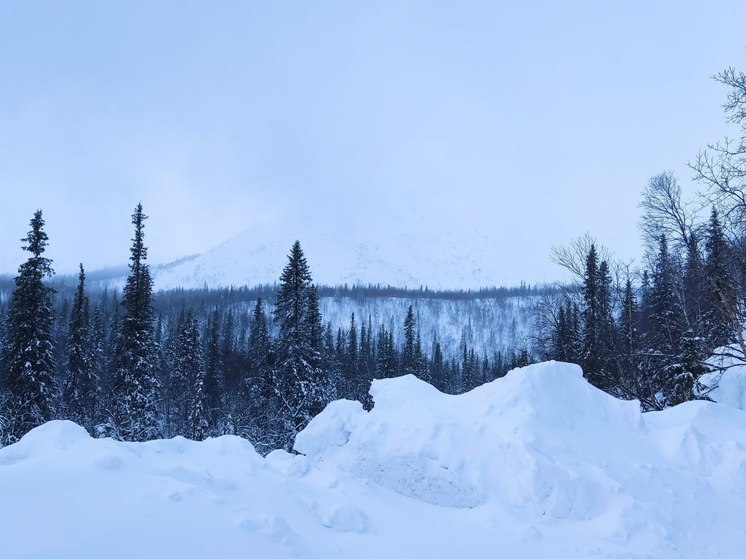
(261, 361)
(254, 361)
(650, 332)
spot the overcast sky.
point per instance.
(539, 120)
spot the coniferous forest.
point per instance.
(650, 332)
(260, 363)
(137, 365)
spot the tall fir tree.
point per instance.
(720, 313)
(189, 391)
(79, 391)
(136, 391)
(298, 379)
(28, 379)
(258, 410)
(409, 357)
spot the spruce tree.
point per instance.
(591, 350)
(136, 390)
(189, 389)
(606, 331)
(79, 392)
(667, 326)
(684, 375)
(258, 409)
(298, 379)
(213, 385)
(409, 358)
(721, 301)
(28, 382)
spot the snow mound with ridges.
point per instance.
(536, 464)
(462, 451)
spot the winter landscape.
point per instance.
(403, 279)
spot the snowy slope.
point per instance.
(487, 325)
(537, 464)
(341, 252)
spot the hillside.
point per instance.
(340, 253)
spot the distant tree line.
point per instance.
(137, 365)
(650, 334)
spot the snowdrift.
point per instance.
(727, 384)
(537, 464)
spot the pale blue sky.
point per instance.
(539, 120)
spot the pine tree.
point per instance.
(97, 344)
(591, 351)
(667, 326)
(629, 323)
(721, 302)
(607, 377)
(437, 368)
(213, 386)
(684, 375)
(28, 381)
(179, 382)
(79, 392)
(409, 358)
(386, 366)
(298, 379)
(421, 367)
(258, 410)
(188, 383)
(352, 350)
(136, 391)
(315, 328)
(694, 285)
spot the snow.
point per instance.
(728, 384)
(536, 464)
(340, 252)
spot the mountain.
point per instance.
(342, 251)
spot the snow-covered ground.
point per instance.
(537, 464)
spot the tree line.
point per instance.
(651, 333)
(136, 366)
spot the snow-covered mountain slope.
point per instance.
(340, 252)
(537, 464)
(487, 325)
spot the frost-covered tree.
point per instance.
(298, 379)
(257, 410)
(214, 364)
(188, 383)
(409, 357)
(79, 391)
(135, 396)
(721, 317)
(27, 381)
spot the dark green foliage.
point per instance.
(721, 293)
(135, 398)
(27, 383)
(301, 387)
(409, 357)
(79, 392)
(187, 390)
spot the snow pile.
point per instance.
(537, 464)
(727, 385)
(498, 442)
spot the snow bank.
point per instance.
(537, 464)
(730, 386)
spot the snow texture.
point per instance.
(342, 253)
(536, 464)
